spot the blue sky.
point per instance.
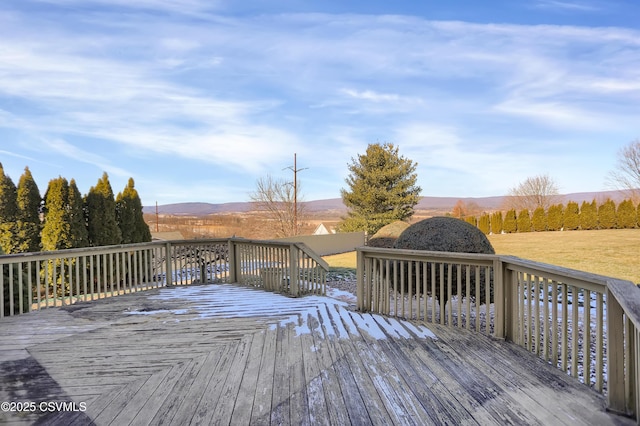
(197, 99)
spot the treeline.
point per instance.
(65, 219)
(559, 217)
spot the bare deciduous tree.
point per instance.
(627, 175)
(534, 192)
(278, 199)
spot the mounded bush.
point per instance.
(447, 234)
(388, 234)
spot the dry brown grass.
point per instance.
(614, 253)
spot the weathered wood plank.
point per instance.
(317, 404)
(261, 411)
(298, 399)
(280, 395)
(246, 395)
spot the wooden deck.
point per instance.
(222, 354)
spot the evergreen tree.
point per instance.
(539, 220)
(484, 223)
(8, 213)
(78, 232)
(56, 232)
(626, 214)
(382, 189)
(130, 217)
(28, 224)
(496, 223)
(472, 220)
(554, 217)
(510, 224)
(607, 215)
(571, 216)
(524, 221)
(589, 215)
(101, 214)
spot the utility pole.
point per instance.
(157, 217)
(295, 171)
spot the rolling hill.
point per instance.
(335, 205)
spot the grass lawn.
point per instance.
(614, 252)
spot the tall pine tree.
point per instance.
(8, 213)
(101, 214)
(28, 224)
(382, 189)
(130, 217)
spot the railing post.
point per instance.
(360, 280)
(615, 356)
(233, 263)
(294, 272)
(169, 259)
(511, 301)
(498, 299)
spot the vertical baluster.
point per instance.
(544, 282)
(586, 338)
(554, 322)
(574, 330)
(599, 342)
(459, 295)
(564, 325)
(477, 296)
(468, 298)
(449, 304)
(536, 282)
(433, 292)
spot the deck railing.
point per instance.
(34, 281)
(585, 324)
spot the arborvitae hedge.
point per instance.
(510, 224)
(607, 215)
(539, 220)
(8, 213)
(589, 215)
(524, 221)
(571, 216)
(484, 223)
(28, 225)
(496, 223)
(554, 217)
(627, 215)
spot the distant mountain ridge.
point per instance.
(335, 204)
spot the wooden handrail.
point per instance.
(38, 280)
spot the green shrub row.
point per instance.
(559, 217)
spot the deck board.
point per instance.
(206, 355)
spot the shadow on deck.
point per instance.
(224, 354)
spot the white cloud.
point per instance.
(567, 5)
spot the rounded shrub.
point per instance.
(388, 234)
(447, 234)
